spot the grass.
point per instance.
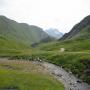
(76, 62)
(24, 76)
(27, 81)
(75, 58)
(9, 43)
(69, 45)
(21, 32)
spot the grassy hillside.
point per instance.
(24, 33)
(7, 43)
(79, 30)
(69, 45)
(84, 34)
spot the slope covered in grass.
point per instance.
(69, 45)
(9, 46)
(21, 32)
(80, 30)
(7, 43)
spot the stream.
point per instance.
(69, 80)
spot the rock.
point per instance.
(78, 81)
(62, 49)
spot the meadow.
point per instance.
(24, 75)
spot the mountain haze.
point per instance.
(54, 33)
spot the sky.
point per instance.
(58, 14)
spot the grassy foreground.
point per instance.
(22, 75)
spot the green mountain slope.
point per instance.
(79, 31)
(20, 32)
(6, 43)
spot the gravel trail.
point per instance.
(69, 80)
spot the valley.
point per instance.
(36, 56)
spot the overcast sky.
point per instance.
(59, 14)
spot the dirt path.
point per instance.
(70, 81)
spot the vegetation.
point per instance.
(21, 32)
(75, 58)
(80, 30)
(69, 45)
(77, 62)
(7, 43)
(19, 75)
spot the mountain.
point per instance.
(21, 32)
(54, 33)
(79, 31)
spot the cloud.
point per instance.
(60, 14)
(2, 2)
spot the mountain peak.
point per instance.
(87, 17)
(54, 33)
